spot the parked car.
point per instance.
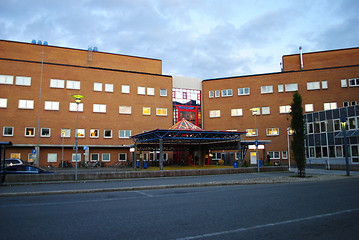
(13, 162)
(24, 169)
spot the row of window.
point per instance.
(272, 154)
(332, 125)
(333, 152)
(291, 87)
(66, 132)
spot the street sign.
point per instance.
(256, 143)
(33, 151)
(85, 148)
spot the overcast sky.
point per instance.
(193, 38)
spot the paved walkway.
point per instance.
(47, 188)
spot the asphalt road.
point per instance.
(311, 210)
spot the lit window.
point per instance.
(150, 91)
(125, 89)
(344, 83)
(251, 132)
(73, 107)
(354, 82)
(3, 103)
(256, 111)
(125, 109)
(161, 111)
(236, 112)
(8, 131)
(73, 84)
(122, 156)
(243, 91)
(313, 85)
(141, 90)
(6, 79)
(284, 109)
(280, 88)
(211, 94)
(329, 106)
(49, 105)
(146, 111)
(65, 132)
(215, 113)
(284, 155)
(94, 133)
(163, 92)
(217, 93)
(81, 133)
(272, 131)
(107, 133)
(23, 81)
(97, 87)
(29, 132)
(265, 110)
(26, 104)
(266, 89)
(99, 108)
(57, 83)
(227, 92)
(52, 157)
(324, 84)
(309, 108)
(45, 132)
(292, 87)
(108, 87)
(124, 133)
(106, 157)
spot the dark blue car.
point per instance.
(24, 169)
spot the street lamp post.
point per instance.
(77, 100)
(343, 122)
(289, 132)
(255, 112)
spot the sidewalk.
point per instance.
(47, 188)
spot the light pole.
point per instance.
(289, 132)
(77, 100)
(343, 122)
(255, 112)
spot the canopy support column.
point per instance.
(240, 154)
(161, 153)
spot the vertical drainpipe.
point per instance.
(301, 57)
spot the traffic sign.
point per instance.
(33, 151)
(85, 148)
(256, 143)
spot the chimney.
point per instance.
(301, 57)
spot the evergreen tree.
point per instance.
(297, 125)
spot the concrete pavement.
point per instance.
(137, 184)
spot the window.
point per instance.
(3, 102)
(217, 93)
(338, 151)
(74, 157)
(65, 132)
(346, 104)
(106, 157)
(122, 157)
(353, 103)
(150, 91)
(354, 82)
(324, 84)
(125, 89)
(99, 108)
(163, 92)
(73, 84)
(352, 123)
(309, 108)
(355, 153)
(227, 92)
(97, 87)
(251, 132)
(146, 111)
(344, 83)
(73, 107)
(52, 157)
(243, 91)
(94, 157)
(274, 154)
(266, 89)
(280, 88)
(284, 155)
(26, 104)
(49, 105)
(29, 132)
(124, 134)
(23, 81)
(107, 133)
(57, 83)
(337, 125)
(215, 113)
(265, 110)
(211, 94)
(292, 87)
(108, 87)
(125, 109)
(313, 85)
(161, 111)
(324, 151)
(45, 132)
(323, 126)
(94, 133)
(272, 131)
(6, 79)
(141, 90)
(329, 106)
(8, 131)
(237, 112)
(81, 133)
(284, 109)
